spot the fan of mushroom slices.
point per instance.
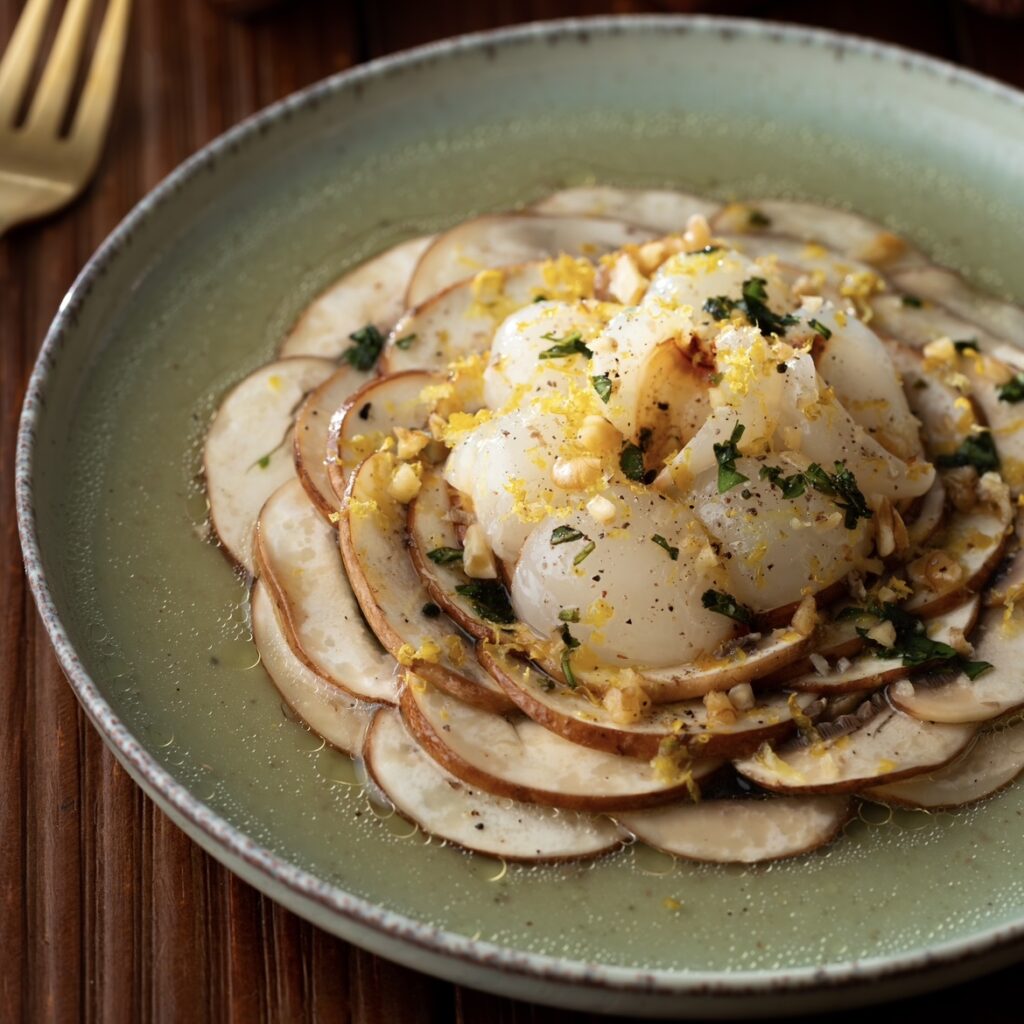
(630, 516)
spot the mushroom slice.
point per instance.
(371, 294)
(744, 660)
(877, 744)
(369, 417)
(946, 416)
(431, 528)
(504, 239)
(329, 711)
(248, 451)
(741, 831)
(444, 806)
(866, 671)
(580, 716)
(992, 763)
(931, 514)
(392, 596)
(662, 210)
(462, 319)
(511, 755)
(998, 640)
(312, 427)
(297, 555)
(950, 290)
(959, 563)
(847, 233)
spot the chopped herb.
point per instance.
(912, 300)
(966, 345)
(584, 554)
(631, 462)
(758, 219)
(790, 486)
(818, 326)
(842, 488)
(570, 676)
(568, 639)
(726, 454)
(489, 600)
(263, 461)
(570, 345)
(725, 604)
(719, 307)
(569, 615)
(852, 612)
(715, 379)
(603, 386)
(445, 556)
(754, 304)
(431, 610)
(673, 552)
(364, 412)
(977, 450)
(368, 342)
(1013, 390)
(913, 645)
(406, 342)
(565, 534)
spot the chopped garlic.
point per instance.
(410, 442)
(883, 633)
(741, 696)
(405, 482)
(719, 708)
(625, 283)
(601, 509)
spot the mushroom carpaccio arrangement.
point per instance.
(630, 516)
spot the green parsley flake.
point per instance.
(489, 600)
(445, 556)
(406, 342)
(1013, 390)
(673, 552)
(366, 347)
(726, 454)
(603, 386)
(725, 604)
(977, 450)
(570, 345)
(565, 534)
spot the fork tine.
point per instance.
(51, 99)
(90, 124)
(16, 67)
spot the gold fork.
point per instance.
(41, 171)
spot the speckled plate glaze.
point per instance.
(197, 287)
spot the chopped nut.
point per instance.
(741, 696)
(601, 509)
(957, 639)
(410, 442)
(598, 436)
(625, 282)
(405, 482)
(883, 633)
(937, 570)
(626, 704)
(697, 234)
(805, 618)
(436, 424)
(576, 474)
(719, 708)
(962, 487)
(993, 490)
(885, 538)
(477, 557)
(819, 663)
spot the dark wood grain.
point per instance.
(107, 912)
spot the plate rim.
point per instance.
(305, 885)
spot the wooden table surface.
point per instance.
(107, 911)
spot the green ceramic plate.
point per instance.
(197, 287)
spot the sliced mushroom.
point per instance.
(741, 831)
(878, 744)
(990, 765)
(248, 452)
(955, 697)
(662, 210)
(392, 596)
(297, 554)
(372, 293)
(312, 428)
(444, 806)
(580, 715)
(505, 239)
(329, 711)
(511, 755)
